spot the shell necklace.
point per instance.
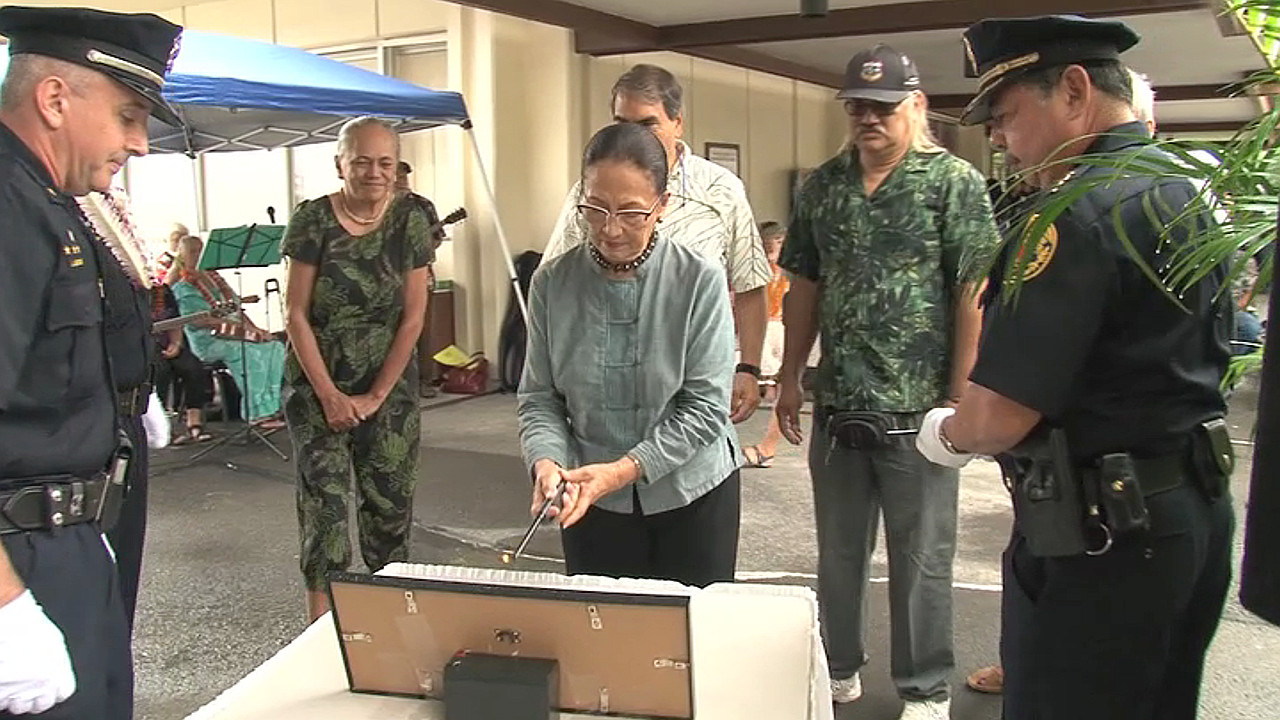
(377, 215)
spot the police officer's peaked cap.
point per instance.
(136, 50)
(997, 51)
(881, 74)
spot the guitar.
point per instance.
(434, 231)
(456, 216)
(220, 310)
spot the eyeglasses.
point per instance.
(633, 219)
(860, 107)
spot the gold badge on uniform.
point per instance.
(1043, 250)
(72, 252)
(872, 70)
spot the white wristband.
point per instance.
(931, 443)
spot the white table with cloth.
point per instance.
(755, 649)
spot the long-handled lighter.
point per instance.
(508, 556)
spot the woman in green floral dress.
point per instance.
(356, 297)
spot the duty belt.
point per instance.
(59, 501)
(1161, 474)
(1155, 475)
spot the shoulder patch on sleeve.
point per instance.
(1043, 251)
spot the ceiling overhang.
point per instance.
(769, 42)
(859, 22)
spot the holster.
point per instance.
(1213, 457)
(860, 429)
(117, 476)
(1047, 497)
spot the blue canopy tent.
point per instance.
(238, 94)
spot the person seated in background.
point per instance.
(164, 270)
(1246, 338)
(178, 373)
(641, 439)
(255, 359)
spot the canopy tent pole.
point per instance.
(197, 175)
(497, 221)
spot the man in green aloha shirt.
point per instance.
(882, 240)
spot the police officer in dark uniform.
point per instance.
(1097, 394)
(73, 108)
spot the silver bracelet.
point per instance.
(946, 441)
(639, 467)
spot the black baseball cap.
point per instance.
(997, 51)
(882, 74)
(136, 50)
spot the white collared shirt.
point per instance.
(708, 213)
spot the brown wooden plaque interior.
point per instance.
(618, 653)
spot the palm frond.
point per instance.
(1241, 365)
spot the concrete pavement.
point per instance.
(221, 591)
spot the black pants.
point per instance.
(130, 531)
(190, 382)
(1121, 636)
(72, 576)
(696, 544)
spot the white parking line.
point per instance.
(749, 575)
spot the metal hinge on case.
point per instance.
(594, 613)
(411, 605)
(604, 700)
(664, 663)
(357, 637)
(426, 682)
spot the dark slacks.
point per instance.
(1121, 636)
(71, 574)
(130, 531)
(695, 545)
(186, 377)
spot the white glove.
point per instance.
(929, 440)
(159, 432)
(35, 668)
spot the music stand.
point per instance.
(232, 249)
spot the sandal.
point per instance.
(193, 434)
(270, 423)
(989, 680)
(759, 461)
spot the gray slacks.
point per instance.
(851, 489)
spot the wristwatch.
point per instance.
(749, 369)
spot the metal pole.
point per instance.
(497, 222)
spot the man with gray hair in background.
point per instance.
(1144, 100)
(708, 212)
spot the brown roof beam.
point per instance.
(878, 20)
(1167, 93)
(600, 27)
(752, 60)
(1210, 126)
